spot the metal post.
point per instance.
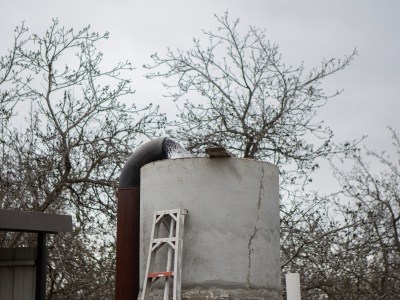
(128, 223)
(40, 292)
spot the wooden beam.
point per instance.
(218, 152)
(12, 220)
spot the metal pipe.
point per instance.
(128, 214)
(146, 153)
(127, 262)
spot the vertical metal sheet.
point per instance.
(17, 273)
(40, 293)
(128, 225)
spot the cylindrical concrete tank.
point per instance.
(231, 237)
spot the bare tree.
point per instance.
(310, 232)
(10, 76)
(245, 98)
(374, 203)
(346, 245)
(66, 154)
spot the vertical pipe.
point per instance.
(128, 214)
(128, 223)
(40, 291)
(293, 286)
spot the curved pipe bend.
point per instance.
(128, 213)
(153, 150)
(146, 153)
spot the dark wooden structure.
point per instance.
(41, 224)
(218, 152)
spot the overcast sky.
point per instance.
(304, 30)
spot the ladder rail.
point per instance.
(149, 255)
(178, 258)
(169, 259)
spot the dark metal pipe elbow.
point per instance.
(146, 153)
(128, 212)
(157, 149)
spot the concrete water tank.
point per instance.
(231, 236)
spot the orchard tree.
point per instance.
(310, 231)
(243, 97)
(10, 76)
(373, 247)
(347, 246)
(64, 150)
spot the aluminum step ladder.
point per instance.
(167, 229)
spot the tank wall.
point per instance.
(231, 237)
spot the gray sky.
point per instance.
(304, 30)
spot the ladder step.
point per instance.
(165, 240)
(160, 274)
(181, 211)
